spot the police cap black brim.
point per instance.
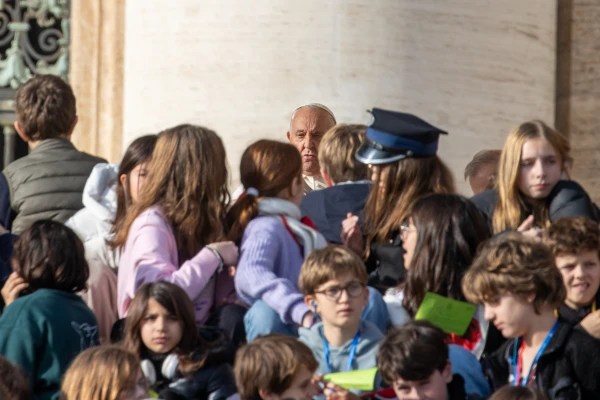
(371, 153)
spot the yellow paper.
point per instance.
(363, 379)
(452, 316)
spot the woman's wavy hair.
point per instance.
(177, 303)
(407, 180)
(269, 167)
(508, 214)
(187, 179)
(449, 231)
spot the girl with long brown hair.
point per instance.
(274, 240)
(401, 150)
(529, 192)
(177, 358)
(265, 221)
(176, 230)
(440, 240)
(108, 192)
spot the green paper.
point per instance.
(450, 315)
(363, 379)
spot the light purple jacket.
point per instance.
(269, 267)
(150, 254)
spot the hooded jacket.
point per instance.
(92, 224)
(567, 199)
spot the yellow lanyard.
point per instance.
(593, 309)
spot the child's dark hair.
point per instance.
(176, 302)
(449, 231)
(13, 381)
(49, 255)
(518, 393)
(138, 152)
(412, 352)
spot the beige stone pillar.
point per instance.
(96, 75)
(578, 88)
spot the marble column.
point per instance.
(96, 75)
(578, 88)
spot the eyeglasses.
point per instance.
(354, 289)
(404, 229)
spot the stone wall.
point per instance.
(476, 69)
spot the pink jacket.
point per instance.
(150, 254)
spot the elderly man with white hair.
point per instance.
(307, 126)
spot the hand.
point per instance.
(335, 392)
(231, 271)
(351, 235)
(2, 230)
(308, 319)
(527, 229)
(591, 324)
(229, 252)
(13, 286)
(526, 225)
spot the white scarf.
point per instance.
(308, 238)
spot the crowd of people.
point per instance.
(148, 279)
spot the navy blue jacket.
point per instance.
(328, 208)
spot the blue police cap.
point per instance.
(394, 135)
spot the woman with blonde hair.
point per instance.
(176, 230)
(529, 192)
(105, 373)
(401, 150)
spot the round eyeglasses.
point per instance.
(354, 289)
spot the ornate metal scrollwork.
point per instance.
(34, 38)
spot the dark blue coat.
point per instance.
(328, 208)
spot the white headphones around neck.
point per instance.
(168, 368)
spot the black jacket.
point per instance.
(567, 370)
(456, 390)
(328, 208)
(213, 381)
(574, 317)
(385, 264)
(567, 199)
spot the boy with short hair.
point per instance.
(575, 244)
(47, 183)
(346, 179)
(333, 281)
(414, 360)
(482, 170)
(276, 367)
(520, 287)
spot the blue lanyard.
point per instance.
(516, 381)
(350, 356)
